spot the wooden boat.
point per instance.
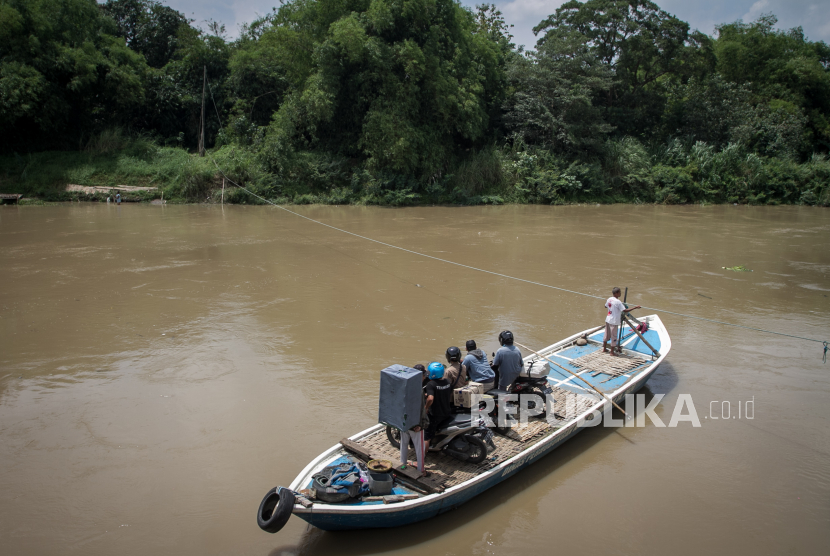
(451, 482)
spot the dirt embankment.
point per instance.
(92, 190)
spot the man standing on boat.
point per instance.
(478, 368)
(616, 308)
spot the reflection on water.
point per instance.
(162, 367)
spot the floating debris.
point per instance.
(740, 268)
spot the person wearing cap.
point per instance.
(478, 368)
(424, 372)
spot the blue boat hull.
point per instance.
(380, 515)
(392, 518)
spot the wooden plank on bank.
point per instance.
(411, 473)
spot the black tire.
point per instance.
(478, 449)
(275, 509)
(394, 436)
(541, 394)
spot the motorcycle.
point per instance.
(525, 383)
(459, 438)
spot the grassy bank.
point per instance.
(629, 173)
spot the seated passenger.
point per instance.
(456, 373)
(478, 368)
(439, 400)
(508, 360)
(424, 372)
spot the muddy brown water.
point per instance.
(162, 367)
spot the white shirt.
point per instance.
(615, 308)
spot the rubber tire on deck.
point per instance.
(275, 509)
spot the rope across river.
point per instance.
(823, 342)
(447, 261)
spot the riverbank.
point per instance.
(143, 171)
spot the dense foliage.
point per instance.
(406, 101)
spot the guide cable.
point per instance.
(825, 343)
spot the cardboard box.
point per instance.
(463, 397)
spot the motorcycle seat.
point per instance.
(496, 393)
(459, 420)
(531, 379)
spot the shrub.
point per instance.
(107, 141)
(676, 185)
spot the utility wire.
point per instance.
(503, 275)
(823, 342)
(214, 103)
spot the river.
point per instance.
(162, 367)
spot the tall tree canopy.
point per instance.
(395, 100)
(63, 72)
(401, 83)
(641, 44)
(151, 28)
(789, 75)
(554, 93)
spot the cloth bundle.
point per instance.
(340, 482)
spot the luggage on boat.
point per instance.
(536, 369)
(340, 482)
(463, 397)
(401, 397)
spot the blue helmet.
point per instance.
(436, 370)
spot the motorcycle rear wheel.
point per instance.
(541, 394)
(478, 449)
(394, 436)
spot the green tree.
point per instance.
(707, 109)
(148, 27)
(174, 92)
(258, 78)
(789, 78)
(554, 88)
(400, 84)
(642, 45)
(178, 55)
(63, 75)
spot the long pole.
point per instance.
(597, 329)
(575, 375)
(202, 123)
(619, 338)
(637, 332)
